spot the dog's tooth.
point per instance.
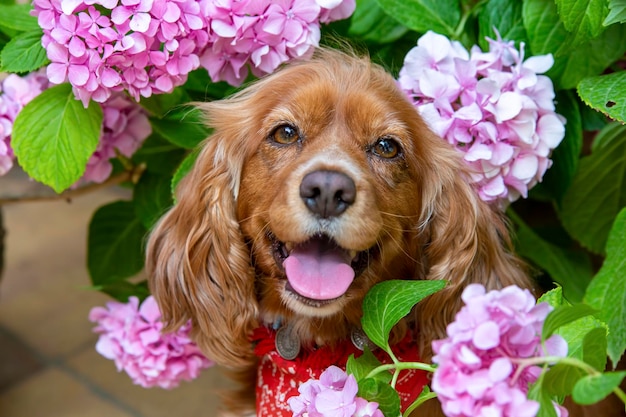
(353, 254)
(289, 246)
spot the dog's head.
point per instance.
(318, 182)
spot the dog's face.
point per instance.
(318, 182)
(329, 200)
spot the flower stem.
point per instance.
(420, 400)
(399, 366)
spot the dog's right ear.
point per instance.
(197, 261)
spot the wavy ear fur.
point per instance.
(198, 263)
(466, 241)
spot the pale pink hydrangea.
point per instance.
(333, 395)
(130, 335)
(149, 46)
(15, 93)
(481, 370)
(125, 126)
(493, 106)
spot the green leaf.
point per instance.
(160, 104)
(362, 366)
(609, 133)
(506, 17)
(121, 290)
(54, 136)
(572, 270)
(566, 156)
(546, 34)
(560, 379)
(594, 348)
(617, 13)
(582, 18)
(388, 302)
(184, 169)
(378, 391)
(605, 93)
(563, 315)
(441, 16)
(538, 392)
(607, 291)
(554, 297)
(152, 197)
(370, 23)
(596, 195)
(17, 18)
(159, 155)
(593, 388)
(114, 246)
(23, 53)
(183, 126)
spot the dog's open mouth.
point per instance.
(318, 269)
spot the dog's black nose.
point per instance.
(327, 193)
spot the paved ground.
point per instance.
(48, 364)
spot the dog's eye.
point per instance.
(386, 148)
(285, 135)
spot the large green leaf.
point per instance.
(596, 195)
(441, 16)
(582, 18)
(114, 246)
(571, 269)
(159, 155)
(17, 18)
(506, 17)
(562, 316)
(547, 34)
(593, 388)
(566, 156)
(152, 197)
(607, 291)
(606, 93)
(372, 24)
(54, 136)
(388, 302)
(23, 53)
(183, 126)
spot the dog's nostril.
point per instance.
(327, 193)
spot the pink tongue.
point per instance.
(318, 272)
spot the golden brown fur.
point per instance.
(211, 258)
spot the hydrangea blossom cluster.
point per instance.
(15, 93)
(125, 126)
(333, 395)
(493, 106)
(150, 46)
(262, 34)
(130, 334)
(481, 368)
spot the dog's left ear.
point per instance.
(465, 240)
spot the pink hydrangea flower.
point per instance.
(149, 46)
(130, 335)
(333, 395)
(125, 126)
(493, 106)
(15, 93)
(262, 34)
(481, 369)
(102, 47)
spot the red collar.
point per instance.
(278, 379)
